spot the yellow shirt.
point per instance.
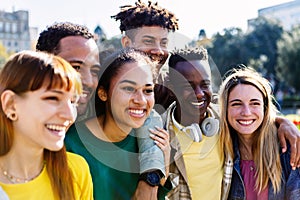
(203, 165)
(40, 187)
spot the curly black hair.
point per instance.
(142, 14)
(49, 39)
(187, 54)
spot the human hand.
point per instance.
(161, 138)
(145, 192)
(288, 131)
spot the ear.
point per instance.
(8, 102)
(102, 94)
(126, 41)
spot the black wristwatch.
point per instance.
(152, 177)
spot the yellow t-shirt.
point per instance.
(40, 187)
(203, 165)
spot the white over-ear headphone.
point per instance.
(209, 127)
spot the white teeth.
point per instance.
(198, 103)
(137, 111)
(56, 127)
(246, 122)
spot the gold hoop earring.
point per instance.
(12, 116)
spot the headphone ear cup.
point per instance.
(196, 132)
(210, 126)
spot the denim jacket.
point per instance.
(290, 185)
(150, 155)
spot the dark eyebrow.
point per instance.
(128, 81)
(153, 38)
(149, 37)
(134, 83)
(202, 82)
(251, 100)
(235, 100)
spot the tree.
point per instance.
(227, 48)
(262, 41)
(113, 43)
(288, 62)
(3, 55)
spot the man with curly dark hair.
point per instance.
(146, 27)
(76, 44)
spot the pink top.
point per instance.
(248, 174)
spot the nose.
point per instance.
(139, 97)
(198, 92)
(158, 50)
(86, 78)
(246, 110)
(68, 111)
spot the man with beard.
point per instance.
(76, 44)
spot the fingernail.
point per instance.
(152, 135)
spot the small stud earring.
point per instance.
(12, 116)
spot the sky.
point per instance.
(211, 15)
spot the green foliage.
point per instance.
(227, 48)
(3, 55)
(288, 62)
(258, 46)
(113, 43)
(262, 41)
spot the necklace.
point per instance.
(15, 180)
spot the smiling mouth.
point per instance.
(245, 122)
(201, 103)
(137, 112)
(56, 128)
(159, 59)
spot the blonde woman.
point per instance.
(39, 92)
(249, 135)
